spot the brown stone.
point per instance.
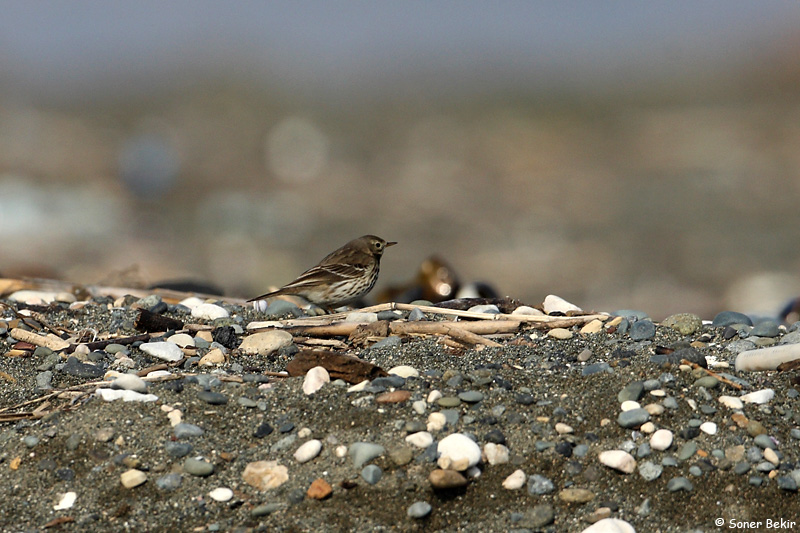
(739, 419)
(397, 396)
(446, 479)
(319, 489)
(576, 495)
(346, 367)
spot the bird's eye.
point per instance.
(378, 245)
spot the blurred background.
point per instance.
(619, 154)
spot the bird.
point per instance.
(343, 276)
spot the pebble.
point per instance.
(371, 474)
(166, 351)
(404, 371)
(420, 439)
(485, 308)
(629, 405)
(764, 441)
(221, 494)
(650, 471)
(130, 382)
(109, 395)
(595, 326)
(209, 311)
(758, 397)
(416, 315)
(729, 318)
(396, 396)
(515, 481)
(419, 510)
(181, 339)
(555, 304)
(731, 402)
(679, 483)
(213, 357)
(361, 318)
(470, 396)
(538, 485)
(526, 310)
(319, 489)
(436, 422)
(185, 430)
(573, 495)
(308, 451)
(132, 478)
(267, 508)
(364, 452)
(661, 439)
(496, 454)
(642, 330)
(683, 323)
(446, 479)
(458, 452)
(560, 333)
(767, 328)
(540, 516)
(266, 343)
(66, 501)
(610, 525)
(633, 418)
(212, 398)
(618, 460)
(198, 466)
(31, 441)
(315, 379)
(709, 428)
(265, 475)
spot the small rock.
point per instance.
(560, 333)
(166, 351)
(731, 402)
(661, 439)
(618, 460)
(538, 485)
(633, 418)
(419, 510)
(130, 382)
(515, 481)
(458, 452)
(404, 371)
(420, 439)
(446, 479)
(610, 525)
(221, 494)
(266, 343)
(265, 475)
(729, 318)
(308, 451)
(197, 466)
(132, 478)
(319, 489)
(315, 379)
(642, 330)
(759, 396)
(213, 357)
(572, 495)
(208, 311)
(364, 452)
(679, 483)
(496, 454)
(371, 474)
(555, 304)
(683, 323)
(397, 396)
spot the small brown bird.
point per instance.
(343, 276)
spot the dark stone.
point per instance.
(262, 431)
(496, 436)
(213, 398)
(73, 367)
(729, 318)
(564, 448)
(225, 336)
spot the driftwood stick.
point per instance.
(53, 343)
(712, 373)
(453, 329)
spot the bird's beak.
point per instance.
(390, 243)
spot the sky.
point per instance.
(71, 49)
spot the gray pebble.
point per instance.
(177, 449)
(451, 416)
(185, 430)
(650, 471)
(632, 392)
(596, 368)
(169, 482)
(266, 509)
(372, 474)
(246, 402)
(540, 516)
(767, 328)
(419, 510)
(708, 382)
(73, 441)
(670, 403)
(416, 315)
(580, 450)
(764, 441)
(44, 380)
(729, 318)
(538, 484)
(631, 314)
(651, 384)
(642, 330)
(695, 471)
(633, 418)
(197, 466)
(470, 396)
(687, 451)
(741, 468)
(30, 441)
(787, 483)
(679, 483)
(756, 481)
(364, 452)
(284, 444)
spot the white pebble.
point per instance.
(308, 450)
(315, 379)
(661, 439)
(771, 456)
(658, 393)
(266, 342)
(731, 402)
(436, 422)
(647, 427)
(129, 382)
(419, 406)
(515, 481)
(361, 318)
(629, 405)
(458, 452)
(209, 312)
(166, 351)
(610, 525)
(191, 302)
(759, 396)
(526, 310)
(404, 371)
(496, 454)
(221, 494)
(340, 451)
(358, 386)
(560, 333)
(66, 501)
(158, 373)
(553, 303)
(618, 460)
(109, 395)
(181, 339)
(433, 396)
(420, 439)
(304, 433)
(132, 478)
(175, 417)
(563, 428)
(709, 428)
